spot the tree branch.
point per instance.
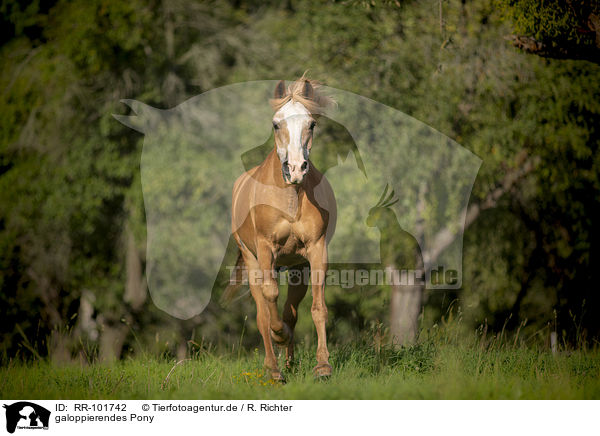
(446, 236)
(530, 45)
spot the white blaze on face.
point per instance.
(293, 144)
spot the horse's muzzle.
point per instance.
(294, 174)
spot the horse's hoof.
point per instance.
(283, 337)
(277, 376)
(322, 370)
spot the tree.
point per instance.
(566, 29)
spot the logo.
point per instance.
(26, 415)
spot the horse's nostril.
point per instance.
(304, 166)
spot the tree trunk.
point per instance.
(406, 300)
(135, 287)
(112, 338)
(405, 307)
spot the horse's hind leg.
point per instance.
(297, 285)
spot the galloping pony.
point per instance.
(283, 215)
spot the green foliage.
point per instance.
(557, 22)
(556, 28)
(69, 173)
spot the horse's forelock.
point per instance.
(295, 92)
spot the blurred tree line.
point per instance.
(559, 28)
(72, 226)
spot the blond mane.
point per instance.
(294, 92)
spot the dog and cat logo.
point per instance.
(26, 415)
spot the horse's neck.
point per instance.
(273, 191)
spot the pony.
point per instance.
(283, 216)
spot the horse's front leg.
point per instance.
(317, 256)
(262, 314)
(280, 332)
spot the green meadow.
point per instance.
(514, 82)
(434, 368)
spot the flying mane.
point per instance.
(315, 104)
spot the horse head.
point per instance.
(296, 112)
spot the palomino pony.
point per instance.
(283, 215)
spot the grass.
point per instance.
(432, 369)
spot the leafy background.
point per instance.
(72, 220)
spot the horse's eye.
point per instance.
(275, 125)
(312, 125)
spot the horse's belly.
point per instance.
(291, 246)
(286, 240)
(289, 260)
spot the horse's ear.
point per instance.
(308, 90)
(280, 89)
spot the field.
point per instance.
(433, 369)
